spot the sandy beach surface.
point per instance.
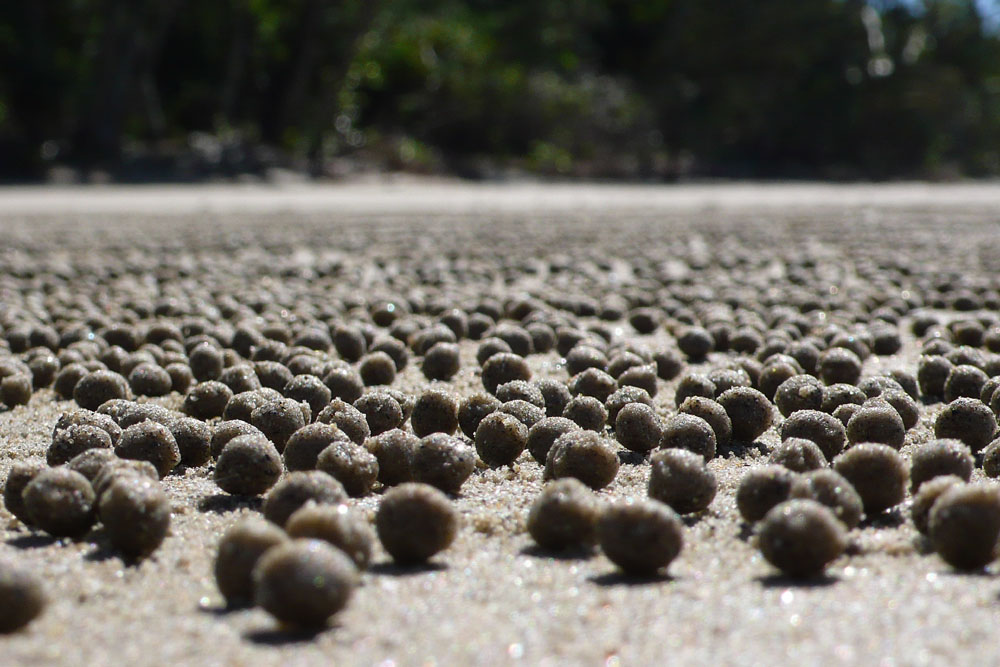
(492, 598)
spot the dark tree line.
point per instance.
(601, 88)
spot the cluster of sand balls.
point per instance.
(311, 379)
(302, 566)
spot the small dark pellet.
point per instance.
(830, 488)
(135, 512)
(60, 502)
(877, 472)
(681, 479)
(249, 465)
(22, 597)
(939, 457)
(964, 525)
(800, 537)
(798, 454)
(500, 439)
(761, 488)
(337, 525)
(296, 489)
(304, 582)
(150, 441)
(564, 516)
(585, 455)
(394, 450)
(640, 536)
(685, 431)
(415, 521)
(239, 550)
(350, 464)
(20, 475)
(924, 499)
(749, 411)
(443, 461)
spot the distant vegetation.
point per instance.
(656, 89)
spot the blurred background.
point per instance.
(182, 90)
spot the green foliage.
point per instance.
(649, 89)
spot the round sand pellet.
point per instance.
(681, 479)
(968, 420)
(337, 525)
(78, 438)
(640, 536)
(762, 488)
(835, 395)
(194, 440)
(150, 441)
(116, 468)
(306, 388)
(585, 455)
(556, 395)
(435, 411)
(544, 433)
(587, 412)
(473, 410)
(964, 525)
(939, 457)
(877, 422)
(60, 502)
(907, 408)
(225, 431)
(242, 405)
(638, 428)
(800, 392)
(347, 418)
(296, 489)
(22, 596)
(830, 488)
(798, 454)
(381, 411)
(520, 390)
(825, 430)
(415, 521)
(205, 400)
(304, 446)
(525, 412)
(801, 537)
(90, 462)
(135, 512)
(564, 516)
(877, 472)
(924, 499)
(839, 365)
(991, 459)
(749, 411)
(20, 475)
(239, 550)
(278, 420)
(713, 413)
(500, 439)
(441, 362)
(15, 389)
(625, 396)
(249, 465)
(443, 461)
(394, 450)
(304, 582)
(685, 431)
(350, 464)
(97, 387)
